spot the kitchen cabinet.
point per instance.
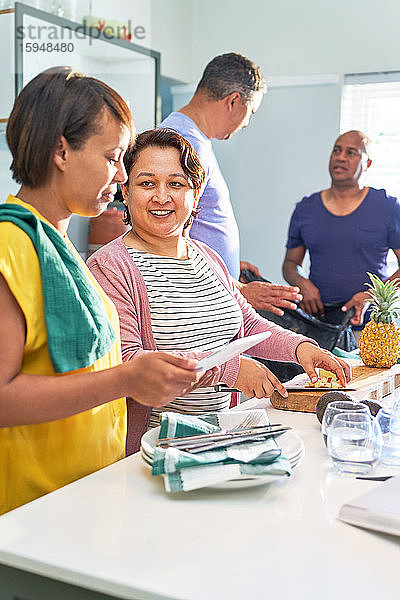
(7, 71)
(32, 40)
(43, 40)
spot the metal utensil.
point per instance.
(195, 449)
(219, 435)
(291, 388)
(251, 420)
(317, 389)
(222, 388)
(380, 478)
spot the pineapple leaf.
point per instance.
(384, 298)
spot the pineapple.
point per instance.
(380, 339)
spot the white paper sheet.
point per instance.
(377, 509)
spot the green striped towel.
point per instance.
(183, 471)
(78, 329)
(353, 354)
(345, 354)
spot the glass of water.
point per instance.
(340, 406)
(383, 418)
(389, 421)
(354, 442)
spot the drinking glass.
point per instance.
(383, 418)
(354, 442)
(340, 406)
(389, 421)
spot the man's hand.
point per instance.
(311, 303)
(360, 302)
(269, 296)
(246, 266)
(311, 356)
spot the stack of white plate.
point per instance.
(289, 442)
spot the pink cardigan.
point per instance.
(122, 281)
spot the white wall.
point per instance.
(279, 158)
(297, 37)
(171, 26)
(284, 153)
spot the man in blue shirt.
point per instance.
(229, 93)
(348, 230)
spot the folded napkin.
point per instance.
(344, 354)
(184, 471)
(78, 329)
(353, 354)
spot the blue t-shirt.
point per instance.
(216, 224)
(343, 249)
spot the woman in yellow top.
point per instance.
(62, 384)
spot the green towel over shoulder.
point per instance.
(78, 329)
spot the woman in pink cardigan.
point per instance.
(173, 293)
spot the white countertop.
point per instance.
(118, 532)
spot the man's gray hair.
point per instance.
(230, 73)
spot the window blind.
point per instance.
(374, 108)
(371, 103)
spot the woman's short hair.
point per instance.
(58, 102)
(167, 138)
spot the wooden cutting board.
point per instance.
(370, 384)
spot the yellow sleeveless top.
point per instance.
(37, 459)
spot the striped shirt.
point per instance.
(190, 310)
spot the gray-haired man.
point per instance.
(228, 94)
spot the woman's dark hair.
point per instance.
(58, 102)
(167, 138)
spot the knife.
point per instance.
(220, 435)
(222, 388)
(196, 448)
(318, 389)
